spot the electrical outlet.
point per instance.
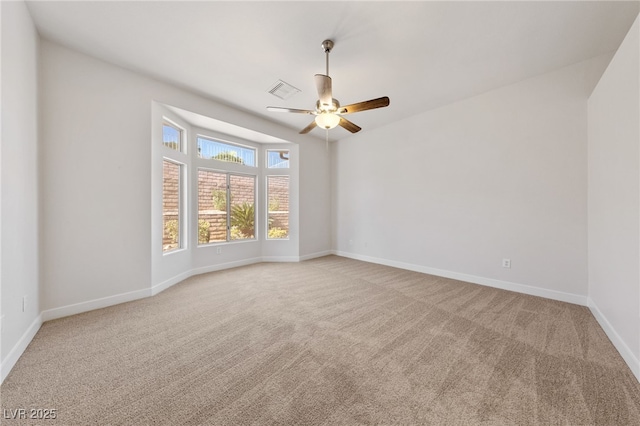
(218, 250)
(506, 263)
(350, 242)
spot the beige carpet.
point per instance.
(329, 341)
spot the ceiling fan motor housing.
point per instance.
(320, 108)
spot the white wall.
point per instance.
(614, 199)
(97, 123)
(315, 199)
(19, 183)
(455, 190)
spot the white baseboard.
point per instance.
(90, 305)
(283, 259)
(16, 352)
(625, 352)
(315, 255)
(489, 282)
(169, 283)
(222, 266)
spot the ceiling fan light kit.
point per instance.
(328, 112)
(327, 120)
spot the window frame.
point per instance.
(228, 174)
(214, 139)
(180, 157)
(183, 234)
(266, 192)
(182, 148)
(266, 159)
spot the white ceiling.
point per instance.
(421, 54)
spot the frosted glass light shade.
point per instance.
(327, 120)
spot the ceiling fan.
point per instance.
(328, 111)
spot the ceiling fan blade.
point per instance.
(297, 111)
(323, 84)
(309, 128)
(353, 128)
(363, 106)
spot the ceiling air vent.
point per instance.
(283, 90)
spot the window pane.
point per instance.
(278, 210)
(242, 190)
(211, 149)
(170, 206)
(212, 207)
(171, 137)
(278, 159)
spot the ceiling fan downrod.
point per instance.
(327, 45)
